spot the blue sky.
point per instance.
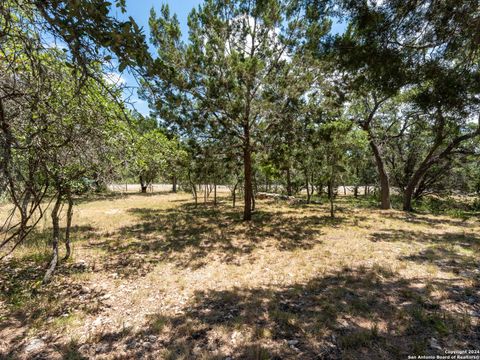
(140, 11)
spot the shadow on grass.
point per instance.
(190, 236)
(453, 252)
(422, 219)
(29, 306)
(462, 239)
(448, 260)
(460, 208)
(28, 303)
(42, 239)
(455, 206)
(350, 314)
(20, 276)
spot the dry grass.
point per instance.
(152, 276)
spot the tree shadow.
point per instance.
(349, 314)
(189, 236)
(42, 238)
(453, 252)
(448, 260)
(462, 239)
(28, 303)
(423, 219)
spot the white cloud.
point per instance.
(114, 78)
(376, 3)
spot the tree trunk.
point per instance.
(330, 198)
(411, 186)
(320, 189)
(308, 188)
(194, 187)
(247, 164)
(234, 194)
(174, 184)
(69, 225)
(215, 194)
(143, 185)
(382, 173)
(24, 214)
(355, 188)
(415, 180)
(407, 199)
(312, 185)
(289, 182)
(55, 239)
(253, 200)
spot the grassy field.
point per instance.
(154, 277)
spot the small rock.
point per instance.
(152, 338)
(236, 335)
(475, 313)
(34, 345)
(98, 321)
(131, 344)
(292, 342)
(146, 345)
(434, 344)
(101, 348)
(81, 264)
(83, 349)
(294, 348)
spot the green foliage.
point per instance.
(150, 153)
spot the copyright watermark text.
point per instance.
(449, 355)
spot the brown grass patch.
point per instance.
(153, 276)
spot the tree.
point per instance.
(390, 48)
(77, 140)
(214, 84)
(151, 153)
(28, 29)
(52, 102)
